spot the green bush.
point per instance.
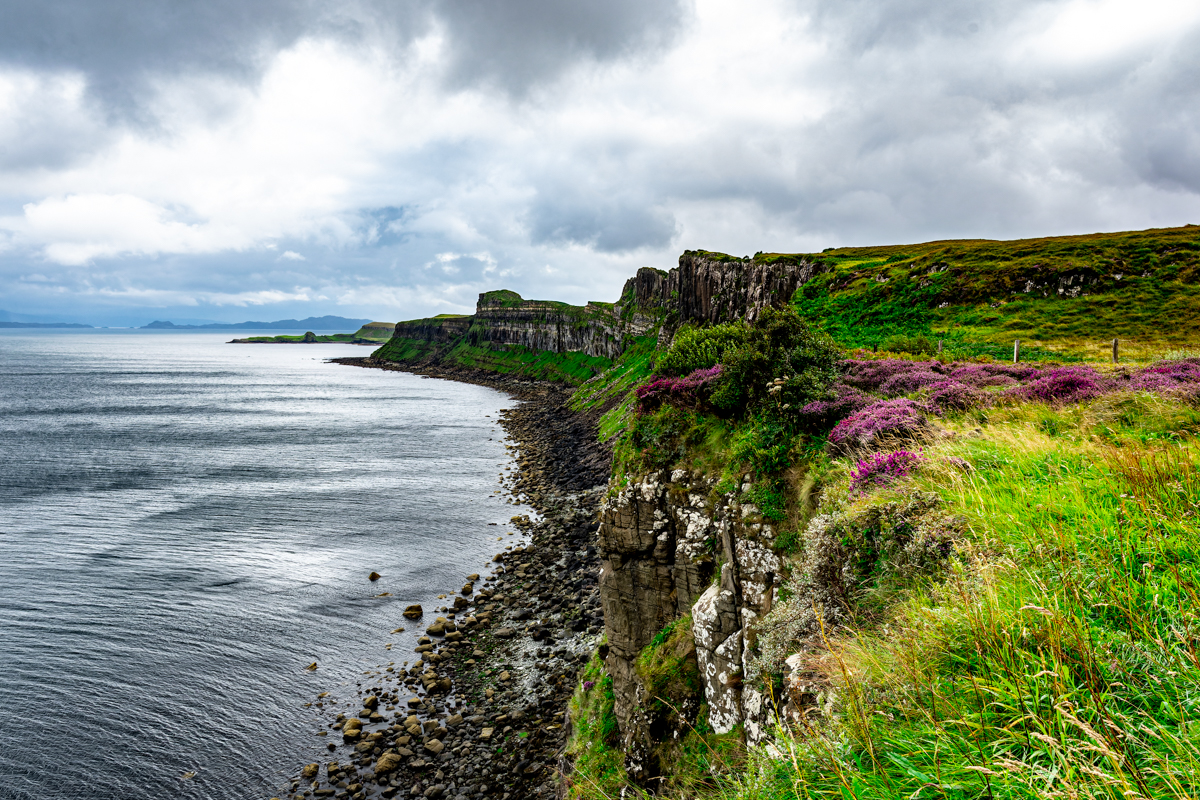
(915, 345)
(779, 345)
(700, 348)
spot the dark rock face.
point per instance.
(662, 542)
(710, 289)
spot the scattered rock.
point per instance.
(414, 611)
(310, 771)
(388, 762)
(374, 576)
(504, 633)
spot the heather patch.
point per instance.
(1060, 385)
(845, 400)
(984, 375)
(882, 469)
(1167, 375)
(690, 391)
(879, 422)
(871, 374)
(950, 395)
(909, 382)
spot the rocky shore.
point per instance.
(479, 710)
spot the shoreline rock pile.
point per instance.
(480, 711)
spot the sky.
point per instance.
(232, 160)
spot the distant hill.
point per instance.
(326, 323)
(43, 325)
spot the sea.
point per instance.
(187, 526)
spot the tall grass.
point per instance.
(1058, 657)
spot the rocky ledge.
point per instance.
(480, 709)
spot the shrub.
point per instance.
(1063, 385)
(950, 395)
(981, 375)
(849, 553)
(909, 382)
(886, 419)
(700, 348)
(841, 402)
(916, 345)
(882, 469)
(870, 375)
(779, 345)
(691, 391)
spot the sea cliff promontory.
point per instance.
(900, 519)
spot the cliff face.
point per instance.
(671, 547)
(596, 329)
(708, 288)
(705, 288)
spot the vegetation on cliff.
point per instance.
(992, 597)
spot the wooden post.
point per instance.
(939, 347)
(1115, 355)
(1016, 351)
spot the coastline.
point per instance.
(480, 710)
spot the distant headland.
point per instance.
(326, 323)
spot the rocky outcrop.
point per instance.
(595, 329)
(710, 288)
(705, 288)
(670, 546)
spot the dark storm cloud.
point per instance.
(518, 43)
(121, 44)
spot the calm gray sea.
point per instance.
(185, 525)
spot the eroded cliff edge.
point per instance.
(509, 334)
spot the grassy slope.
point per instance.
(569, 368)
(871, 293)
(1058, 654)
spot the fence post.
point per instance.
(939, 347)
(1115, 356)
(1016, 350)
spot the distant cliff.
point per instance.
(509, 334)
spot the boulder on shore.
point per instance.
(414, 611)
(388, 762)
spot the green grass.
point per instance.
(976, 295)
(613, 388)
(1058, 654)
(699, 761)
(599, 770)
(569, 368)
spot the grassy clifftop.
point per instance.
(1067, 293)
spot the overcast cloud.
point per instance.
(232, 160)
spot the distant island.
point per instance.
(372, 333)
(326, 323)
(43, 325)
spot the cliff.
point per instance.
(509, 334)
(672, 547)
